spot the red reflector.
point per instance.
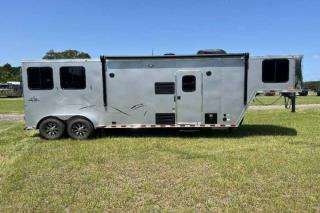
(152, 125)
(212, 125)
(182, 125)
(192, 125)
(202, 125)
(233, 125)
(113, 126)
(123, 126)
(222, 125)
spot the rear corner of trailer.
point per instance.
(29, 97)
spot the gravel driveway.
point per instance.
(11, 117)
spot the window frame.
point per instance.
(275, 80)
(51, 70)
(85, 78)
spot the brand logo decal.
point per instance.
(34, 99)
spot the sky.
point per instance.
(136, 27)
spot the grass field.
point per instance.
(15, 105)
(11, 105)
(310, 99)
(269, 164)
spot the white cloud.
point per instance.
(316, 56)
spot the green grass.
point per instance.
(11, 105)
(15, 105)
(310, 99)
(269, 164)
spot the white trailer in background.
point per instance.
(10, 89)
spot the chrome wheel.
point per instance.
(51, 128)
(79, 128)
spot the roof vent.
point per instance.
(211, 51)
(169, 54)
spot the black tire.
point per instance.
(51, 129)
(79, 128)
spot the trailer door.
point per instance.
(189, 97)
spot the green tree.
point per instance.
(15, 74)
(9, 73)
(51, 54)
(312, 85)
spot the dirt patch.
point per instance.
(271, 107)
(3, 158)
(11, 117)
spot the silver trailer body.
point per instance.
(158, 91)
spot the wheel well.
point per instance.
(42, 119)
(79, 116)
(64, 121)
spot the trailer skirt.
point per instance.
(135, 126)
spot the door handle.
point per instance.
(178, 97)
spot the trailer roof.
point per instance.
(57, 60)
(228, 55)
(276, 56)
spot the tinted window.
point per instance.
(72, 78)
(275, 71)
(40, 78)
(164, 88)
(188, 83)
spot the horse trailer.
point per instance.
(78, 96)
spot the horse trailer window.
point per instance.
(275, 70)
(40, 78)
(188, 83)
(72, 78)
(164, 88)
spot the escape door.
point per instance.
(189, 97)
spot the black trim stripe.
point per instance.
(104, 83)
(246, 69)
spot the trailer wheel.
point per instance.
(51, 129)
(79, 128)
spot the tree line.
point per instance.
(311, 85)
(10, 73)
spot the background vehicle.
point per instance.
(304, 92)
(10, 89)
